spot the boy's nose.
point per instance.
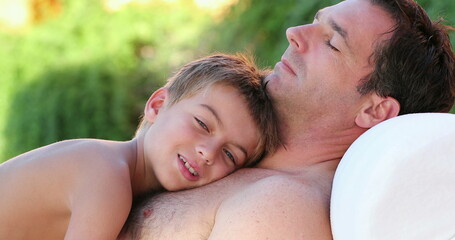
(207, 152)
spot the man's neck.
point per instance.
(314, 147)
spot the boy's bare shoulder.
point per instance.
(68, 156)
(103, 196)
(98, 165)
(96, 153)
(67, 165)
(276, 207)
(80, 181)
(82, 155)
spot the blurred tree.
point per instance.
(88, 72)
(75, 101)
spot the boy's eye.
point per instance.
(229, 155)
(202, 124)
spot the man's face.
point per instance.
(317, 76)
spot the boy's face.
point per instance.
(199, 139)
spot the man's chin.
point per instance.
(271, 81)
(272, 86)
(268, 79)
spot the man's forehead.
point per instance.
(360, 17)
(363, 24)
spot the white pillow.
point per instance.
(397, 181)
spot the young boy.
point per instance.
(212, 118)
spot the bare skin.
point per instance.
(321, 114)
(221, 209)
(54, 187)
(83, 188)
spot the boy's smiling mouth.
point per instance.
(188, 166)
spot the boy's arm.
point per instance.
(100, 204)
(274, 208)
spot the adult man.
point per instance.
(359, 63)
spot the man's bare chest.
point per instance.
(186, 214)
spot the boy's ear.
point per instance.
(376, 110)
(154, 104)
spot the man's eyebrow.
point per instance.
(316, 16)
(336, 27)
(218, 119)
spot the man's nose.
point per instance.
(296, 37)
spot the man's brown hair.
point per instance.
(416, 65)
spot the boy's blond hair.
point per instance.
(239, 72)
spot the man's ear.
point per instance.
(154, 104)
(376, 110)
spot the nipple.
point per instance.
(147, 213)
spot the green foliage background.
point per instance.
(87, 72)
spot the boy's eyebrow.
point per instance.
(244, 152)
(218, 119)
(336, 27)
(214, 113)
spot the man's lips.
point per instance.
(285, 64)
